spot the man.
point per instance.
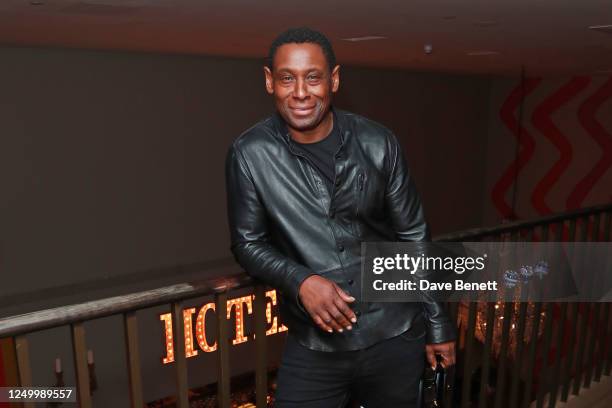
(305, 188)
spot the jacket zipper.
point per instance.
(360, 178)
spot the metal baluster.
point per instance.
(571, 352)
(261, 356)
(608, 350)
(9, 363)
(584, 228)
(580, 346)
(520, 342)
(603, 344)
(566, 365)
(132, 350)
(559, 231)
(594, 334)
(555, 369)
(606, 230)
(79, 350)
(180, 359)
(453, 308)
(223, 383)
(469, 350)
(535, 327)
(22, 351)
(545, 232)
(543, 385)
(503, 355)
(572, 230)
(486, 355)
(529, 236)
(582, 330)
(596, 224)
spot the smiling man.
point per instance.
(305, 188)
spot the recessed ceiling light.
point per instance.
(365, 38)
(481, 53)
(606, 28)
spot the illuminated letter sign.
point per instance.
(236, 304)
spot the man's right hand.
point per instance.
(327, 304)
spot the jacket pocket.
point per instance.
(411, 334)
(417, 330)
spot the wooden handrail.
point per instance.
(474, 233)
(45, 319)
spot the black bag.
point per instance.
(432, 385)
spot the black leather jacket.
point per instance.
(285, 226)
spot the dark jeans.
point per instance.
(384, 375)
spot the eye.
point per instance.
(313, 77)
(286, 78)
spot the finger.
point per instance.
(431, 357)
(444, 361)
(327, 318)
(453, 354)
(324, 326)
(447, 357)
(339, 317)
(345, 310)
(345, 296)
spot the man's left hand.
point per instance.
(445, 350)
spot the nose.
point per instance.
(300, 91)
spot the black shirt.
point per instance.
(321, 155)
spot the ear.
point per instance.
(335, 78)
(269, 80)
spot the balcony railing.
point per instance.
(586, 358)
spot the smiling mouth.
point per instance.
(302, 111)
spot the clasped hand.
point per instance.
(327, 304)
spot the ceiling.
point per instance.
(548, 37)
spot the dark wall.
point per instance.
(111, 165)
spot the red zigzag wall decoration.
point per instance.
(542, 121)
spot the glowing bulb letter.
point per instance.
(271, 294)
(189, 351)
(167, 319)
(238, 302)
(201, 329)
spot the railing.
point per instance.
(569, 372)
(75, 315)
(511, 389)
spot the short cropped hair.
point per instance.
(303, 35)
